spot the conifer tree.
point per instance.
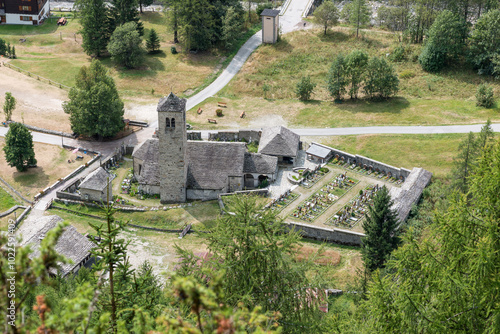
(94, 20)
(359, 14)
(380, 227)
(337, 80)
(153, 42)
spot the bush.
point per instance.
(407, 74)
(399, 54)
(173, 50)
(432, 59)
(219, 113)
(484, 96)
(304, 88)
(261, 7)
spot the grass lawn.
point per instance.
(432, 152)
(52, 165)
(6, 201)
(444, 98)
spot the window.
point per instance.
(173, 122)
(26, 9)
(167, 123)
(26, 18)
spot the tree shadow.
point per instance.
(393, 105)
(283, 45)
(32, 178)
(333, 36)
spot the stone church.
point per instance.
(179, 169)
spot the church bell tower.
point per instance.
(172, 145)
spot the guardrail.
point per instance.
(36, 76)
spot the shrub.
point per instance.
(484, 96)
(219, 113)
(261, 7)
(432, 59)
(399, 54)
(407, 74)
(304, 88)
(173, 50)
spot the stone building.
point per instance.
(71, 244)
(317, 153)
(179, 169)
(97, 187)
(280, 142)
(270, 25)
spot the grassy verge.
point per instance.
(432, 152)
(6, 201)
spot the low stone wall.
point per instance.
(51, 132)
(70, 196)
(359, 160)
(326, 234)
(21, 217)
(242, 135)
(8, 212)
(191, 135)
(15, 191)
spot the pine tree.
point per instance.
(232, 24)
(196, 24)
(18, 148)
(94, 20)
(124, 11)
(381, 78)
(153, 42)
(380, 227)
(359, 14)
(94, 107)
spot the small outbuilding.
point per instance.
(259, 169)
(71, 244)
(97, 187)
(280, 142)
(318, 153)
(270, 25)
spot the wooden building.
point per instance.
(27, 12)
(270, 25)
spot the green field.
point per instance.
(6, 201)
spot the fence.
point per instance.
(33, 75)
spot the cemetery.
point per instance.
(307, 177)
(277, 205)
(320, 201)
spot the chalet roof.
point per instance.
(410, 192)
(260, 163)
(148, 152)
(318, 151)
(210, 163)
(171, 103)
(270, 12)
(97, 180)
(279, 141)
(71, 244)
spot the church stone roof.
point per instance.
(148, 152)
(270, 12)
(71, 244)
(279, 141)
(260, 163)
(409, 193)
(97, 180)
(171, 103)
(210, 163)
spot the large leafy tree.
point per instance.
(337, 80)
(326, 15)
(250, 247)
(18, 148)
(447, 38)
(94, 107)
(485, 42)
(447, 280)
(355, 63)
(125, 45)
(94, 18)
(381, 230)
(381, 78)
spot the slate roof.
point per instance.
(318, 151)
(171, 103)
(148, 152)
(279, 141)
(210, 163)
(260, 163)
(71, 244)
(410, 192)
(270, 12)
(97, 180)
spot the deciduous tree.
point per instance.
(356, 62)
(485, 42)
(18, 148)
(94, 107)
(8, 106)
(381, 78)
(326, 15)
(125, 45)
(359, 14)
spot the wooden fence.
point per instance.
(33, 75)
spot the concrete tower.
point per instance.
(172, 158)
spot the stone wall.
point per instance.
(242, 135)
(359, 160)
(326, 234)
(192, 135)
